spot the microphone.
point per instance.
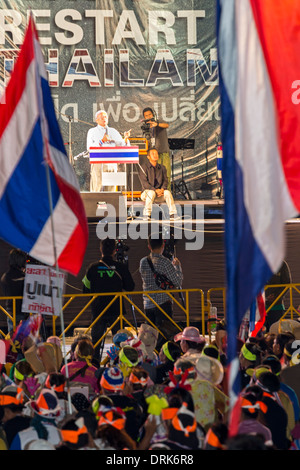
(82, 154)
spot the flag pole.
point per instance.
(57, 273)
(47, 159)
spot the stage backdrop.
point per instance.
(124, 55)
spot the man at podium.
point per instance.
(103, 135)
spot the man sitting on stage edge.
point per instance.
(154, 181)
(106, 275)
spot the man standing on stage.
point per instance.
(154, 181)
(159, 140)
(106, 275)
(103, 135)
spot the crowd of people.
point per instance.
(141, 398)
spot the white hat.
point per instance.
(210, 369)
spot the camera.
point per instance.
(121, 250)
(146, 126)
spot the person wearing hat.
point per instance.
(57, 383)
(210, 401)
(11, 413)
(112, 383)
(149, 336)
(281, 397)
(182, 430)
(249, 420)
(106, 275)
(43, 424)
(191, 342)
(275, 416)
(273, 362)
(97, 137)
(75, 435)
(111, 433)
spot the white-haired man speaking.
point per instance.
(98, 136)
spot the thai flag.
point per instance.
(43, 216)
(128, 154)
(257, 315)
(259, 61)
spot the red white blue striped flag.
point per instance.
(128, 154)
(46, 221)
(259, 64)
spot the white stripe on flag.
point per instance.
(62, 167)
(18, 131)
(65, 222)
(266, 195)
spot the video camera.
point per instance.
(121, 250)
(146, 126)
(169, 249)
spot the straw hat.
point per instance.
(190, 333)
(210, 369)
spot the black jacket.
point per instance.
(109, 276)
(153, 177)
(12, 284)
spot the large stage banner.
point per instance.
(124, 56)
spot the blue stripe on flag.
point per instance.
(55, 138)
(24, 208)
(245, 263)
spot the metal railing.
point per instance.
(288, 291)
(121, 298)
(216, 295)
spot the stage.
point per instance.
(212, 208)
(198, 243)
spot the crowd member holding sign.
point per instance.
(106, 275)
(97, 137)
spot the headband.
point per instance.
(177, 423)
(135, 380)
(179, 371)
(9, 400)
(259, 405)
(108, 418)
(287, 353)
(166, 351)
(87, 359)
(248, 354)
(123, 358)
(19, 376)
(213, 440)
(73, 436)
(56, 388)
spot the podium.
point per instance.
(107, 155)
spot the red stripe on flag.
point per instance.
(76, 244)
(78, 241)
(277, 24)
(17, 83)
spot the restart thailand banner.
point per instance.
(123, 56)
